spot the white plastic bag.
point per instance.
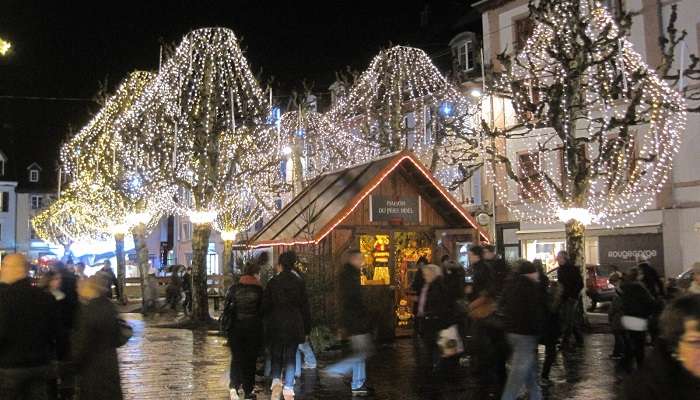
(450, 342)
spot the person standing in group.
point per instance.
(571, 282)
(615, 313)
(523, 325)
(108, 276)
(651, 280)
(638, 306)
(355, 323)
(51, 283)
(673, 370)
(551, 328)
(28, 330)
(434, 313)
(243, 309)
(499, 267)
(95, 343)
(288, 319)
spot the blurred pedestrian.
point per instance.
(80, 270)
(305, 357)
(28, 330)
(354, 321)
(418, 281)
(637, 307)
(651, 280)
(673, 370)
(95, 343)
(551, 328)
(67, 310)
(244, 330)
(523, 326)
(615, 314)
(288, 321)
(434, 313)
(187, 290)
(571, 282)
(487, 330)
(499, 267)
(173, 292)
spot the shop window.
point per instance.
(523, 28)
(545, 250)
(376, 256)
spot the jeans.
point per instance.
(24, 383)
(634, 348)
(309, 357)
(356, 363)
(523, 370)
(284, 357)
(550, 356)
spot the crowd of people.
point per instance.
(58, 339)
(58, 336)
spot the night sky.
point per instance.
(64, 49)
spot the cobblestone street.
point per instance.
(162, 363)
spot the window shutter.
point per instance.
(5, 202)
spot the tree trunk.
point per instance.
(228, 269)
(121, 266)
(297, 170)
(139, 232)
(200, 245)
(575, 231)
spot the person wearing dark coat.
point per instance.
(243, 309)
(637, 304)
(524, 310)
(187, 290)
(355, 324)
(453, 275)
(571, 282)
(651, 280)
(95, 343)
(434, 311)
(28, 332)
(288, 322)
(500, 269)
(673, 368)
(551, 328)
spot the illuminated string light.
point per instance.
(599, 151)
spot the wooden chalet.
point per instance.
(393, 210)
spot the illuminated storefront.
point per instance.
(393, 210)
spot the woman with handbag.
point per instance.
(433, 312)
(638, 306)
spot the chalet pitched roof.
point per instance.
(333, 196)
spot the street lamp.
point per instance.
(5, 47)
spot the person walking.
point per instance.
(673, 370)
(288, 319)
(571, 282)
(108, 276)
(499, 267)
(97, 336)
(615, 313)
(80, 271)
(551, 328)
(28, 330)
(67, 310)
(305, 357)
(638, 306)
(355, 323)
(651, 280)
(173, 292)
(243, 309)
(434, 312)
(488, 336)
(523, 326)
(187, 290)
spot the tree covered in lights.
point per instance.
(597, 127)
(203, 123)
(402, 101)
(122, 192)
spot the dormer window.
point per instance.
(33, 175)
(463, 48)
(465, 56)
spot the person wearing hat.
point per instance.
(28, 329)
(524, 308)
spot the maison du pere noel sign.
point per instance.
(395, 209)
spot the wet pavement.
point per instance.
(160, 363)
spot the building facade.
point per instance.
(8, 205)
(668, 233)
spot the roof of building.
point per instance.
(333, 196)
(484, 5)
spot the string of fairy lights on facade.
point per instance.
(620, 168)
